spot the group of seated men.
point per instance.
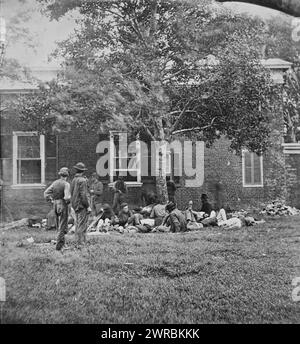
(157, 217)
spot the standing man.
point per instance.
(206, 206)
(120, 192)
(59, 194)
(96, 191)
(80, 202)
(171, 186)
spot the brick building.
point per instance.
(29, 162)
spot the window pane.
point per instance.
(146, 165)
(50, 146)
(128, 178)
(6, 168)
(168, 163)
(132, 162)
(247, 157)
(120, 144)
(248, 169)
(247, 172)
(121, 163)
(176, 165)
(29, 171)
(257, 169)
(28, 147)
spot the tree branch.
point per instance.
(149, 132)
(179, 117)
(174, 112)
(175, 74)
(193, 129)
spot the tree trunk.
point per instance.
(161, 178)
(161, 184)
(161, 189)
(291, 7)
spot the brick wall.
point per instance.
(222, 176)
(223, 179)
(293, 179)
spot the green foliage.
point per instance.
(291, 106)
(280, 42)
(13, 70)
(147, 66)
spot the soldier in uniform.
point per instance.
(80, 202)
(59, 194)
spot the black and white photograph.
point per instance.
(149, 165)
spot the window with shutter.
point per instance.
(51, 167)
(252, 165)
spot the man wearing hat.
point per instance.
(176, 218)
(80, 202)
(59, 194)
(206, 206)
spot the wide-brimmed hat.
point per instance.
(80, 166)
(106, 206)
(64, 171)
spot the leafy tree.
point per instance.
(287, 6)
(280, 43)
(163, 68)
(17, 32)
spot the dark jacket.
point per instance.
(109, 214)
(59, 189)
(120, 186)
(79, 193)
(97, 186)
(171, 189)
(124, 217)
(206, 208)
(177, 221)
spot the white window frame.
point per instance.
(169, 163)
(16, 134)
(112, 169)
(246, 185)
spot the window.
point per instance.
(123, 160)
(252, 165)
(51, 147)
(6, 158)
(28, 158)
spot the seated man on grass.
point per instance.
(191, 217)
(176, 218)
(124, 214)
(158, 213)
(218, 218)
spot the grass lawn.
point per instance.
(198, 277)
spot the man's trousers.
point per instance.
(81, 225)
(61, 213)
